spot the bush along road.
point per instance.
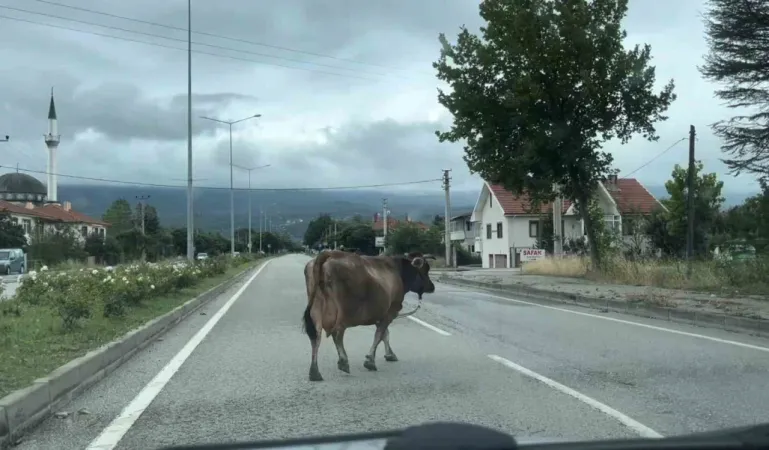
(72, 328)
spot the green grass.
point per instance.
(33, 343)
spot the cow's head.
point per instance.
(416, 274)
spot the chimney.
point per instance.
(67, 206)
(29, 205)
(611, 183)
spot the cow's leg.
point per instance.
(389, 354)
(312, 327)
(370, 361)
(343, 364)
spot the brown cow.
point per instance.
(346, 290)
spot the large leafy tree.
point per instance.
(119, 216)
(738, 58)
(317, 229)
(707, 204)
(11, 234)
(536, 95)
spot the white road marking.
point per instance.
(111, 436)
(427, 325)
(628, 322)
(629, 422)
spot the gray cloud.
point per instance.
(326, 121)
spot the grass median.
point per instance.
(35, 339)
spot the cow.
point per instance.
(346, 290)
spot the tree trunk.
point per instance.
(595, 254)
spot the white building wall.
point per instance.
(490, 214)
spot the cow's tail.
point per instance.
(318, 283)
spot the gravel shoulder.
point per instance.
(751, 307)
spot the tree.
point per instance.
(668, 230)
(738, 57)
(539, 92)
(317, 229)
(11, 234)
(408, 237)
(119, 216)
(151, 219)
(360, 236)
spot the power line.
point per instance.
(155, 44)
(219, 36)
(657, 156)
(176, 186)
(219, 47)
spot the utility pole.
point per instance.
(232, 190)
(447, 217)
(558, 222)
(690, 204)
(249, 169)
(190, 224)
(261, 229)
(384, 224)
(142, 205)
(335, 240)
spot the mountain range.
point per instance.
(291, 209)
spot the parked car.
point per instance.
(202, 256)
(12, 260)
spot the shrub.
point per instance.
(78, 294)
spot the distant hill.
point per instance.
(293, 209)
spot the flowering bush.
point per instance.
(111, 291)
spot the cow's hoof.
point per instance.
(369, 364)
(391, 358)
(344, 366)
(315, 374)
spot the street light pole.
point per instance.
(232, 191)
(249, 169)
(190, 224)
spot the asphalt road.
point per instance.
(522, 368)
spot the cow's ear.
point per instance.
(418, 262)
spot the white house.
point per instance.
(508, 224)
(31, 217)
(464, 232)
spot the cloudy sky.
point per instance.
(345, 89)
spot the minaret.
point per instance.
(52, 142)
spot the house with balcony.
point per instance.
(509, 224)
(464, 232)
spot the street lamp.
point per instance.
(190, 229)
(232, 192)
(249, 169)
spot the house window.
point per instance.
(15, 220)
(499, 230)
(101, 232)
(471, 248)
(27, 225)
(468, 226)
(533, 228)
(490, 197)
(84, 231)
(488, 231)
(613, 223)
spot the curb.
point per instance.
(753, 327)
(27, 407)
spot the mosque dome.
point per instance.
(20, 187)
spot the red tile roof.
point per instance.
(630, 195)
(52, 212)
(520, 205)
